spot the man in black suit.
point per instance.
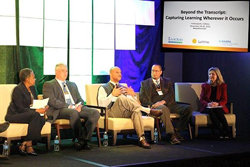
(66, 103)
(158, 92)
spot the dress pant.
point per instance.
(125, 107)
(218, 119)
(90, 116)
(185, 112)
(34, 120)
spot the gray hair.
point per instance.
(60, 64)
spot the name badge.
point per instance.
(159, 92)
(67, 96)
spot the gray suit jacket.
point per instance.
(147, 88)
(53, 91)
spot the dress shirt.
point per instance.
(103, 99)
(155, 81)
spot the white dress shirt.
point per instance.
(103, 99)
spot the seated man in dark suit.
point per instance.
(66, 103)
(122, 104)
(158, 93)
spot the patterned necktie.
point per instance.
(66, 93)
(158, 86)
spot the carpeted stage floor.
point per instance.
(204, 151)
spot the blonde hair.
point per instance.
(220, 79)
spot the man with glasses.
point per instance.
(157, 92)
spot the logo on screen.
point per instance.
(227, 43)
(194, 41)
(175, 40)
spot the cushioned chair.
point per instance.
(16, 130)
(65, 124)
(190, 93)
(115, 125)
(173, 117)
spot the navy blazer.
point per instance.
(20, 100)
(53, 91)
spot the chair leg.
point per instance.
(196, 131)
(98, 135)
(152, 135)
(9, 144)
(190, 131)
(48, 142)
(58, 133)
(157, 122)
(114, 137)
(233, 131)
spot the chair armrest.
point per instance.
(230, 107)
(178, 102)
(104, 112)
(103, 109)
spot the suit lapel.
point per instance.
(59, 89)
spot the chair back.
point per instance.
(5, 98)
(188, 93)
(91, 93)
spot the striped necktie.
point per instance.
(66, 93)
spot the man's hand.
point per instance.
(117, 91)
(129, 91)
(78, 108)
(159, 103)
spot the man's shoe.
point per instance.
(144, 144)
(174, 140)
(4, 157)
(79, 145)
(178, 135)
(4, 126)
(156, 112)
(86, 146)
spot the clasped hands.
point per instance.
(76, 107)
(123, 90)
(212, 104)
(159, 103)
(42, 110)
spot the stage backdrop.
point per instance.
(89, 36)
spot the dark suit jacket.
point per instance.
(21, 100)
(221, 96)
(53, 91)
(147, 88)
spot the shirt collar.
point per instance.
(159, 80)
(59, 81)
(113, 82)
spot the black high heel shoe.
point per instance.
(31, 153)
(21, 151)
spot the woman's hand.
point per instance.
(42, 110)
(212, 104)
